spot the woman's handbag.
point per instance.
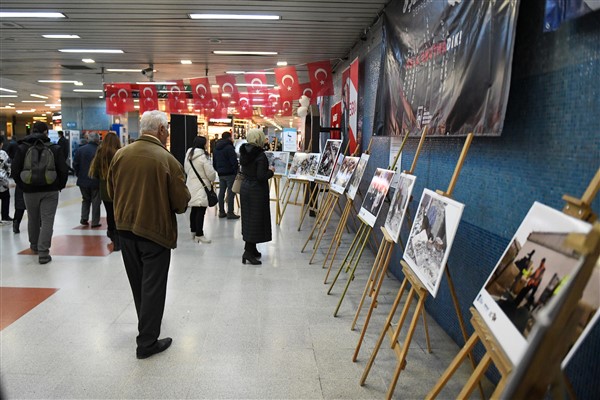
(237, 183)
(210, 193)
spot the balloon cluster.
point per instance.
(303, 109)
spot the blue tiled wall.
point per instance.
(88, 114)
(550, 146)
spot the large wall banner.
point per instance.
(445, 64)
(350, 103)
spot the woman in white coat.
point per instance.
(197, 157)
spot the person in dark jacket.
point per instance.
(19, 202)
(254, 195)
(226, 164)
(89, 187)
(41, 201)
(63, 142)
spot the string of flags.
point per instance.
(273, 100)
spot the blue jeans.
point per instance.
(226, 183)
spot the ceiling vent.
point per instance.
(77, 67)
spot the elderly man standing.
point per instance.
(147, 186)
(89, 187)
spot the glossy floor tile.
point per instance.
(239, 331)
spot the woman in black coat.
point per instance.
(254, 195)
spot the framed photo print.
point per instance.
(431, 238)
(399, 204)
(279, 160)
(328, 159)
(376, 195)
(533, 269)
(342, 178)
(357, 177)
(304, 166)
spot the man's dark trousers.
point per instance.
(226, 183)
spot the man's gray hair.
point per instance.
(152, 121)
(94, 137)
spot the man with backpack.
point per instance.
(40, 170)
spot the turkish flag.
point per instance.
(227, 85)
(321, 78)
(201, 92)
(306, 90)
(177, 97)
(215, 108)
(335, 121)
(287, 80)
(272, 105)
(148, 98)
(119, 99)
(286, 108)
(257, 87)
(244, 107)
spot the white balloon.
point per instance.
(304, 101)
(302, 112)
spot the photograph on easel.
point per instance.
(375, 196)
(304, 166)
(533, 269)
(338, 164)
(431, 238)
(399, 204)
(328, 158)
(357, 177)
(279, 160)
(344, 174)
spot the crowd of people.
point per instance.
(142, 187)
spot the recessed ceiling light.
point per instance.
(88, 90)
(88, 60)
(8, 95)
(39, 96)
(61, 36)
(7, 90)
(234, 16)
(32, 101)
(78, 83)
(244, 53)
(186, 62)
(281, 63)
(25, 14)
(104, 51)
(235, 72)
(261, 72)
(55, 81)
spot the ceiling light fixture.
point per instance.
(88, 60)
(235, 72)
(261, 72)
(88, 90)
(156, 83)
(281, 63)
(26, 14)
(55, 81)
(104, 51)
(244, 53)
(78, 83)
(32, 101)
(235, 16)
(8, 95)
(39, 96)
(61, 36)
(186, 62)
(7, 90)
(254, 85)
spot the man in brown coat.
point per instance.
(147, 186)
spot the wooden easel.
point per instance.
(300, 186)
(380, 267)
(578, 208)
(316, 197)
(276, 180)
(366, 232)
(417, 290)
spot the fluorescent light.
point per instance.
(281, 63)
(78, 83)
(88, 60)
(215, 86)
(32, 101)
(245, 53)
(52, 105)
(7, 90)
(88, 90)
(125, 70)
(55, 81)
(8, 95)
(261, 72)
(156, 83)
(39, 96)
(259, 85)
(235, 72)
(105, 51)
(61, 36)
(25, 14)
(234, 16)
(186, 62)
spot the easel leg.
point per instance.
(287, 200)
(337, 239)
(323, 229)
(349, 256)
(475, 377)
(426, 331)
(316, 225)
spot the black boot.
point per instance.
(251, 258)
(16, 224)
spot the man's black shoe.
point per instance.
(16, 226)
(232, 216)
(158, 347)
(44, 259)
(96, 225)
(83, 222)
(222, 215)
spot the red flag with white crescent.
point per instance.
(336, 119)
(148, 98)
(286, 108)
(214, 108)
(200, 92)
(244, 107)
(227, 85)
(306, 90)
(177, 97)
(113, 106)
(256, 82)
(321, 78)
(287, 80)
(119, 99)
(272, 106)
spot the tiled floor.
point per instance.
(239, 331)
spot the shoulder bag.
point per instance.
(237, 183)
(210, 193)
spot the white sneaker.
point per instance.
(202, 239)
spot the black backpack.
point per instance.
(39, 168)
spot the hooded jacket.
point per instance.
(62, 171)
(147, 186)
(224, 158)
(206, 172)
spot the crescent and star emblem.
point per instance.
(198, 86)
(148, 95)
(307, 91)
(227, 84)
(285, 107)
(319, 70)
(286, 77)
